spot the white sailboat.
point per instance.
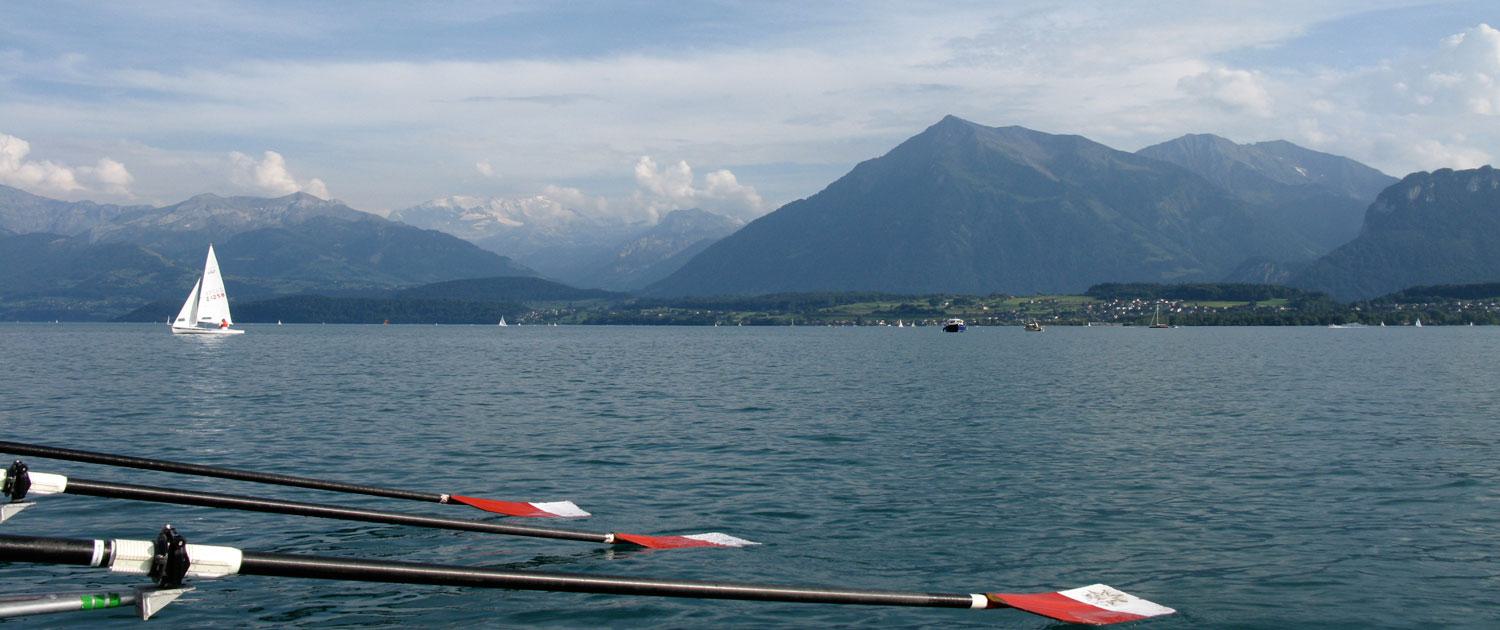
(206, 311)
(502, 323)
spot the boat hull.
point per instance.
(187, 330)
(954, 328)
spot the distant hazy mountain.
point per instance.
(1318, 196)
(1430, 228)
(577, 248)
(22, 213)
(537, 231)
(184, 228)
(973, 209)
(507, 289)
(290, 244)
(660, 250)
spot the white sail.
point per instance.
(206, 310)
(189, 310)
(213, 304)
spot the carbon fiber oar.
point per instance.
(39, 483)
(1096, 605)
(555, 509)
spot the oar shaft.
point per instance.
(21, 606)
(34, 450)
(288, 565)
(256, 504)
(41, 550)
(65, 551)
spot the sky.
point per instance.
(632, 108)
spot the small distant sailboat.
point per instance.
(1419, 323)
(278, 322)
(1156, 319)
(502, 323)
(206, 311)
(899, 324)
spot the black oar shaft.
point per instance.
(46, 550)
(34, 450)
(64, 551)
(256, 504)
(288, 565)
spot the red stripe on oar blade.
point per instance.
(711, 539)
(1094, 605)
(558, 509)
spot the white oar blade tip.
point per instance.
(1096, 604)
(711, 539)
(562, 509)
(721, 539)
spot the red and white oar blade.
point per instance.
(711, 539)
(555, 509)
(1095, 605)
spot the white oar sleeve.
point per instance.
(204, 561)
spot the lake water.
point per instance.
(1249, 477)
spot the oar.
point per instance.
(556, 509)
(1097, 604)
(47, 483)
(146, 601)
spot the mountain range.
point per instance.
(958, 208)
(106, 260)
(548, 236)
(1318, 197)
(1430, 228)
(581, 248)
(965, 208)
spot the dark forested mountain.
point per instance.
(659, 250)
(1316, 196)
(1430, 228)
(971, 209)
(290, 244)
(50, 276)
(22, 213)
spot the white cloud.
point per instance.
(46, 176)
(269, 175)
(1462, 76)
(663, 190)
(812, 101)
(1448, 155)
(111, 175)
(1237, 90)
(575, 199)
(658, 192)
(728, 193)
